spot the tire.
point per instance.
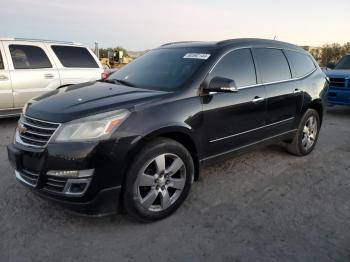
(306, 137)
(158, 181)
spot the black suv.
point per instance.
(140, 137)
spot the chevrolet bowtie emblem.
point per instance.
(21, 129)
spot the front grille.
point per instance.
(34, 132)
(337, 82)
(55, 184)
(29, 177)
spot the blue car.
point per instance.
(339, 88)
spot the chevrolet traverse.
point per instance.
(138, 139)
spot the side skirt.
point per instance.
(240, 150)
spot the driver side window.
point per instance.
(237, 65)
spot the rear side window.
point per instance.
(273, 65)
(71, 56)
(1, 62)
(29, 57)
(238, 66)
(301, 63)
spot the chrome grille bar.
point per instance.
(34, 132)
(27, 177)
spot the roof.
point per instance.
(189, 44)
(240, 42)
(37, 40)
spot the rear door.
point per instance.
(6, 96)
(284, 98)
(32, 71)
(76, 64)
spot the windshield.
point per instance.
(161, 69)
(344, 63)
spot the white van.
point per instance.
(31, 67)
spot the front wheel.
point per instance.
(307, 134)
(158, 181)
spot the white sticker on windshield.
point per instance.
(197, 56)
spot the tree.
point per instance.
(329, 53)
(346, 48)
(316, 53)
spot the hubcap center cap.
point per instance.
(161, 181)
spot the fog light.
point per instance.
(71, 173)
(76, 187)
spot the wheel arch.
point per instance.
(179, 134)
(319, 107)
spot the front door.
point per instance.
(234, 120)
(6, 97)
(32, 71)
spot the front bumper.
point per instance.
(102, 190)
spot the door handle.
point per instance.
(258, 99)
(297, 91)
(3, 78)
(49, 76)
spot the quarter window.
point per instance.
(238, 66)
(273, 65)
(71, 56)
(301, 63)
(1, 62)
(29, 57)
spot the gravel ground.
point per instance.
(262, 206)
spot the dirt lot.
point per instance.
(262, 206)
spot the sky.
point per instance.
(139, 24)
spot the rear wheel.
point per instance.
(307, 134)
(158, 181)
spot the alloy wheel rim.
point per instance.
(309, 133)
(160, 182)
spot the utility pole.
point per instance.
(97, 50)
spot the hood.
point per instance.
(77, 101)
(338, 73)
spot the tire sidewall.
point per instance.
(150, 151)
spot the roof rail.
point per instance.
(38, 40)
(181, 42)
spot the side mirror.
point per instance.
(221, 84)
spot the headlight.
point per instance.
(97, 127)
